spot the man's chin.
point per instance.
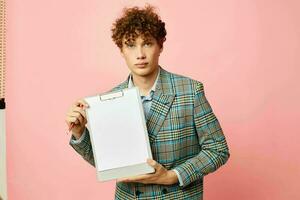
(142, 72)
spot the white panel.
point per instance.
(3, 186)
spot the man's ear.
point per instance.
(161, 49)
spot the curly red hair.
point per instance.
(137, 21)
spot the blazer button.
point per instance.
(137, 193)
(164, 191)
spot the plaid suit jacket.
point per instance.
(184, 134)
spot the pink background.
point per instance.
(245, 52)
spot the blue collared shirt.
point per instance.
(146, 100)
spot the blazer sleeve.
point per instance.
(84, 148)
(214, 150)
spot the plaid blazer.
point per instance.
(184, 134)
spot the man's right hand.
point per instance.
(77, 115)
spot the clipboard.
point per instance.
(119, 135)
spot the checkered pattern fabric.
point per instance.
(184, 135)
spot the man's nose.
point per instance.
(140, 53)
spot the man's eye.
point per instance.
(148, 44)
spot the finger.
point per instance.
(78, 116)
(124, 180)
(153, 163)
(69, 120)
(146, 181)
(78, 112)
(138, 178)
(73, 120)
(121, 179)
(81, 111)
(75, 106)
(81, 102)
(80, 119)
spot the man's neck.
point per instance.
(145, 83)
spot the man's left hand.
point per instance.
(160, 176)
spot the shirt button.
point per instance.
(164, 191)
(137, 193)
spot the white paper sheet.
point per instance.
(118, 130)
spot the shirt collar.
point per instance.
(131, 84)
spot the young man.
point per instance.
(186, 139)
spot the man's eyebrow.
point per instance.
(148, 40)
(129, 41)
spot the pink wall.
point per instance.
(245, 52)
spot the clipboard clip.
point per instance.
(111, 96)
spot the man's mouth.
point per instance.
(141, 64)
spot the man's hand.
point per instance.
(77, 115)
(161, 176)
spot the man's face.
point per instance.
(141, 55)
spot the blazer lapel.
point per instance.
(162, 100)
(121, 86)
